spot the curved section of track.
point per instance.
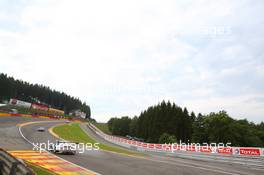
(10, 138)
(110, 163)
(250, 162)
(114, 164)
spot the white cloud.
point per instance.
(238, 107)
(122, 56)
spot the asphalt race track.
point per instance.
(116, 164)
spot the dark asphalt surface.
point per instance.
(10, 139)
(110, 163)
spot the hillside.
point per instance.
(13, 88)
(167, 122)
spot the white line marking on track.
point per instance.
(19, 129)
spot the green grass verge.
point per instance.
(40, 171)
(103, 127)
(73, 132)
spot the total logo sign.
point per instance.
(249, 151)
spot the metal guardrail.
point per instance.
(9, 165)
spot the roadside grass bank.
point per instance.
(73, 132)
(39, 170)
(103, 127)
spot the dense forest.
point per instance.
(168, 122)
(11, 88)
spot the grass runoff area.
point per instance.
(103, 127)
(72, 132)
(40, 171)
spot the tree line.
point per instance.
(12, 88)
(167, 122)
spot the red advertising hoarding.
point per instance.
(151, 146)
(225, 150)
(249, 151)
(205, 149)
(158, 146)
(39, 106)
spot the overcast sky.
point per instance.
(122, 56)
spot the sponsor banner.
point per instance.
(39, 106)
(176, 147)
(19, 103)
(205, 149)
(249, 151)
(191, 148)
(151, 145)
(166, 147)
(262, 152)
(225, 150)
(16, 115)
(183, 147)
(4, 115)
(56, 111)
(134, 142)
(144, 145)
(27, 115)
(158, 146)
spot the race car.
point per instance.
(63, 147)
(41, 129)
